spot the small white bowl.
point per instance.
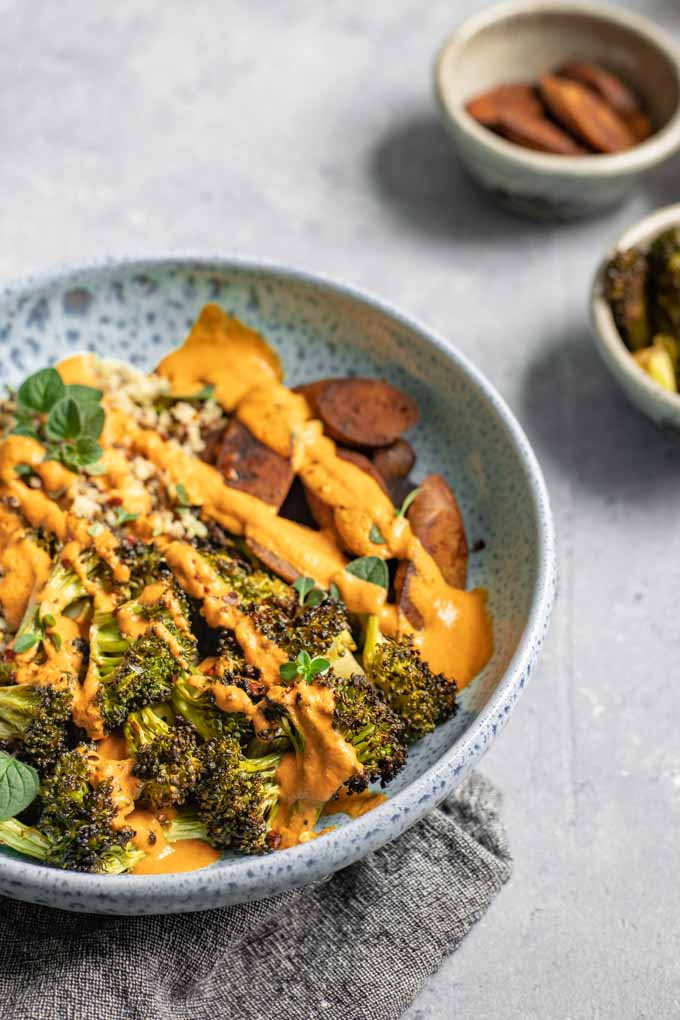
(523, 39)
(660, 405)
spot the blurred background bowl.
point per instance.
(520, 41)
(658, 404)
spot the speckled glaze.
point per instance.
(523, 39)
(658, 404)
(140, 309)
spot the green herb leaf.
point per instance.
(18, 785)
(122, 516)
(376, 536)
(26, 641)
(181, 495)
(92, 418)
(316, 666)
(48, 620)
(55, 638)
(401, 512)
(372, 569)
(315, 597)
(84, 394)
(288, 671)
(64, 420)
(303, 585)
(88, 450)
(95, 529)
(42, 390)
(334, 592)
(23, 470)
(24, 426)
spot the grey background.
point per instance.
(305, 131)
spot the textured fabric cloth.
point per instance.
(355, 947)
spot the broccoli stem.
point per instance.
(25, 839)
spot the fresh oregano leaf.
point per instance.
(64, 420)
(18, 785)
(181, 495)
(25, 642)
(376, 536)
(92, 419)
(88, 450)
(288, 671)
(84, 394)
(42, 390)
(95, 529)
(23, 470)
(371, 569)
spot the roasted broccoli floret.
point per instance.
(37, 718)
(65, 587)
(251, 585)
(421, 698)
(321, 629)
(360, 717)
(165, 755)
(79, 820)
(626, 285)
(664, 268)
(194, 701)
(27, 839)
(136, 673)
(236, 797)
(146, 564)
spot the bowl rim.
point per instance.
(656, 149)
(608, 339)
(212, 887)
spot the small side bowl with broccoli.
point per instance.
(635, 308)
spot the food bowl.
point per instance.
(658, 404)
(138, 310)
(522, 40)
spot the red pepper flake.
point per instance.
(66, 563)
(115, 501)
(10, 654)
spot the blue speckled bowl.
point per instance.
(138, 310)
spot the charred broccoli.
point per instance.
(250, 584)
(626, 282)
(237, 797)
(79, 820)
(194, 701)
(135, 673)
(421, 698)
(664, 268)
(165, 752)
(37, 718)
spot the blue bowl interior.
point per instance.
(139, 313)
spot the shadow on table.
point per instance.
(576, 415)
(416, 171)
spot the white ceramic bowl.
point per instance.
(519, 41)
(660, 405)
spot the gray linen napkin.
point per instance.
(355, 947)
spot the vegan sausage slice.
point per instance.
(249, 465)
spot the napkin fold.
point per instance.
(357, 946)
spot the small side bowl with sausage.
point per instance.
(559, 109)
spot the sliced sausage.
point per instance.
(249, 465)
(436, 520)
(606, 85)
(402, 579)
(394, 461)
(579, 110)
(519, 97)
(275, 563)
(538, 133)
(365, 412)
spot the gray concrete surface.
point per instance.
(305, 131)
